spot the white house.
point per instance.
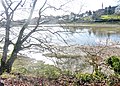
(117, 10)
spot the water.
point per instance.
(85, 36)
(80, 36)
(68, 36)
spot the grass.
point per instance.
(110, 29)
(110, 17)
(58, 55)
(7, 75)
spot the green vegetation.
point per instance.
(91, 77)
(28, 67)
(87, 18)
(62, 55)
(108, 17)
(114, 63)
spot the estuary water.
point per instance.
(85, 35)
(76, 35)
(69, 35)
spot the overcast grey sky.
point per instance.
(72, 6)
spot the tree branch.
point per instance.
(2, 39)
(32, 31)
(12, 13)
(3, 3)
(26, 24)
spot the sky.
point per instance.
(97, 4)
(75, 6)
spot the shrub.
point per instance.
(114, 62)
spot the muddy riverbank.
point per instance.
(77, 50)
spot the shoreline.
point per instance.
(79, 25)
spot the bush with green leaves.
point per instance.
(51, 72)
(99, 76)
(84, 77)
(114, 63)
(29, 66)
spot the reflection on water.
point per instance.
(89, 35)
(76, 35)
(71, 35)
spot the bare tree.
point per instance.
(6, 63)
(23, 38)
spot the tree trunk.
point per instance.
(8, 65)
(2, 67)
(10, 61)
(5, 48)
